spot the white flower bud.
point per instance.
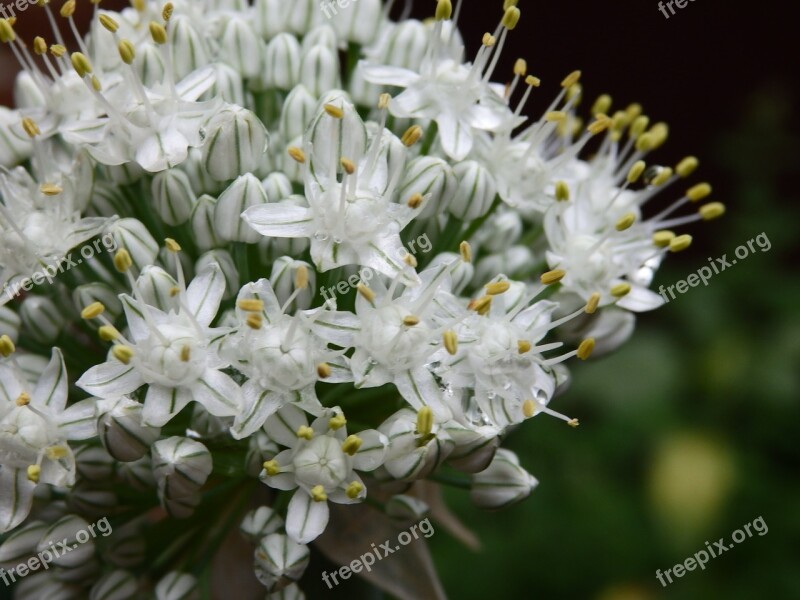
(298, 110)
(475, 193)
(282, 62)
(107, 200)
(120, 429)
(116, 585)
(246, 191)
(177, 586)
(404, 508)
(88, 500)
(189, 47)
(319, 70)
(202, 182)
(303, 16)
(500, 232)
(236, 143)
(93, 463)
(21, 543)
(280, 561)
(205, 235)
(75, 531)
(241, 47)
(228, 85)
(461, 272)
(271, 17)
(259, 448)
(9, 323)
(362, 91)
(277, 186)
(181, 466)
(322, 35)
(181, 508)
(89, 293)
(225, 261)
(360, 22)
(290, 592)
(125, 174)
(156, 286)
(138, 474)
(13, 149)
(173, 196)
(42, 319)
(474, 450)
(503, 483)
(290, 167)
(405, 45)
(260, 522)
(429, 176)
(149, 63)
(127, 548)
(282, 279)
(27, 93)
(133, 236)
(44, 585)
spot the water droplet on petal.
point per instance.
(320, 236)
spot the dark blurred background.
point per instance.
(690, 430)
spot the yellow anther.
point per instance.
(600, 124)
(645, 142)
(174, 291)
(680, 243)
(50, 189)
(251, 305)
(574, 93)
(23, 399)
(324, 370)
(660, 133)
(56, 452)
(318, 494)
(444, 10)
(108, 333)
(354, 490)
(636, 171)
(639, 126)
(30, 127)
(7, 34)
(663, 176)
(450, 341)
(698, 192)
(555, 115)
(348, 165)
(122, 353)
(571, 79)
(158, 32)
(272, 467)
(511, 18)
(533, 81)
(123, 260)
(254, 321)
(186, 353)
(416, 200)
(520, 67)
(81, 64)
(411, 135)
(337, 422)
(528, 408)
(586, 348)
(601, 105)
(384, 100)
(481, 305)
(523, 346)
(139, 5)
(126, 52)
(509, 3)
(34, 471)
(687, 166)
(58, 50)
(96, 85)
(663, 238)
(366, 293)
(297, 154)
(301, 277)
(172, 245)
(351, 444)
(488, 40)
(562, 191)
(410, 261)
(7, 347)
(167, 11)
(553, 276)
(334, 111)
(94, 310)
(573, 423)
(305, 432)
(425, 421)
(497, 287)
(39, 45)
(68, 9)
(626, 221)
(466, 252)
(592, 303)
(711, 211)
(633, 110)
(621, 290)
(411, 321)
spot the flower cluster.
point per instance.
(241, 155)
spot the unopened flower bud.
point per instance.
(120, 429)
(319, 70)
(282, 62)
(297, 112)
(280, 561)
(173, 196)
(503, 483)
(74, 531)
(246, 191)
(115, 585)
(42, 319)
(177, 586)
(236, 144)
(205, 235)
(241, 47)
(132, 235)
(189, 47)
(10, 323)
(432, 177)
(261, 522)
(181, 466)
(476, 191)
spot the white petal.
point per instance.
(282, 219)
(640, 299)
(162, 150)
(204, 294)
(305, 518)
(455, 135)
(259, 405)
(282, 426)
(162, 403)
(419, 388)
(110, 379)
(336, 327)
(372, 452)
(387, 75)
(16, 497)
(51, 389)
(218, 393)
(78, 421)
